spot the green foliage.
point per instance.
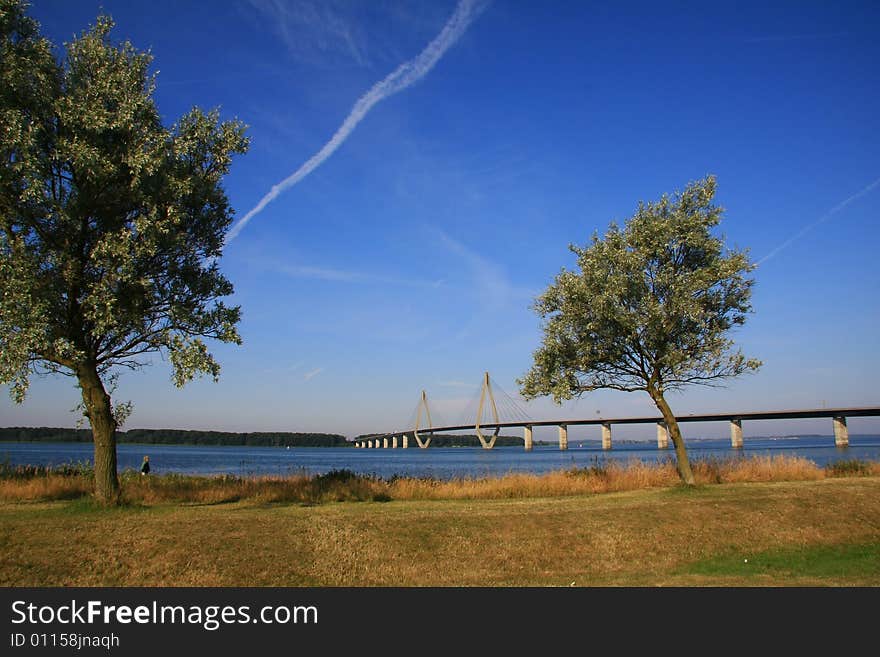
(111, 224)
(340, 476)
(342, 486)
(849, 468)
(598, 468)
(45, 434)
(649, 308)
(79, 469)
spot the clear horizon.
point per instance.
(408, 258)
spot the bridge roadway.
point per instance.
(837, 415)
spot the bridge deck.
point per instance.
(869, 411)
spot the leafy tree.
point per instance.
(650, 309)
(111, 225)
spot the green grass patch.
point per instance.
(818, 561)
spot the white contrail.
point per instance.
(405, 75)
(825, 217)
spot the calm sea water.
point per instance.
(440, 463)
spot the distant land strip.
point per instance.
(199, 437)
(176, 437)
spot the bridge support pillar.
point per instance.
(841, 433)
(405, 441)
(606, 435)
(393, 442)
(563, 436)
(662, 436)
(527, 437)
(385, 442)
(736, 433)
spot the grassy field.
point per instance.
(819, 531)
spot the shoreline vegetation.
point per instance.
(72, 481)
(766, 521)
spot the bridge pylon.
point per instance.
(486, 394)
(423, 404)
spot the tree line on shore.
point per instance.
(177, 437)
(253, 438)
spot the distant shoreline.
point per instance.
(177, 437)
(286, 439)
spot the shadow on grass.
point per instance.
(88, 505)
(232, 499)
(683, 490)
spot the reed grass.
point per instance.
(29, 483)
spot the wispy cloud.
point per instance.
(348, 276)
(308, 376)
(825, 217)
(490, 281)
(315, 28)
(405, 75)
(321, 273)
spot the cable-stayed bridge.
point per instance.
(493, 410)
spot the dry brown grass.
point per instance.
(613, 477)
(46, 487)
(341, 486)
(759, 468)
(634, 538)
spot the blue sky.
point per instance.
(409, 258)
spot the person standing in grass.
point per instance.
(145, 466)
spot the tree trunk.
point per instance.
(100, 414)
(682, 463)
